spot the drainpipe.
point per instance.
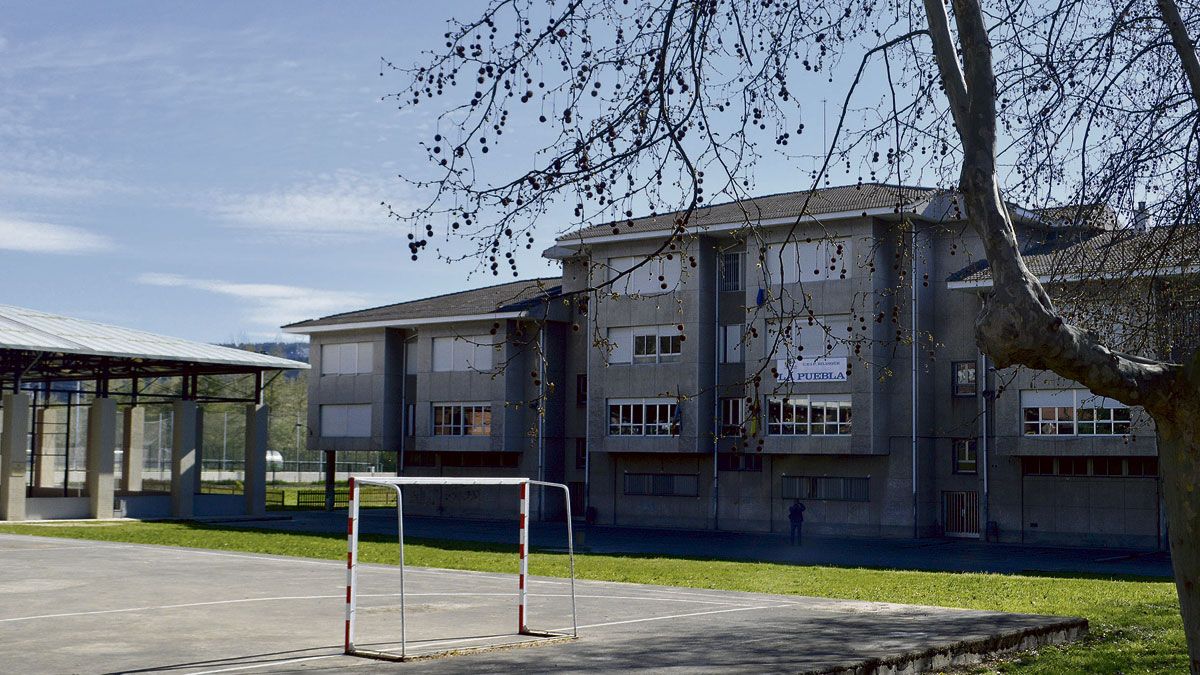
(587, 417)
(716, 487)
(541, 468)
(981, 382)
(915, 389)
(403, 407)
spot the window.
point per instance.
(1037, 466)
(581, 453)
(826, 259)
(1143, 466)
(581, 391)
(462, 353)
(661, 274)
(420, 459)
(462, 419)
(736, 461)
(963, 384)
(346, 421)
(731, 271)
(1108, 466)
(410, 419)
(1071, 412)
(828, 488)
(1072, 466)
(966, 458)
(731, 343)
(645, 344)
(650, 417)
(347, 358)
(662, 484)
(487, 460)
(800, 417)
(808, 338)
(732, 416)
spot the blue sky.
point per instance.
(212, 170)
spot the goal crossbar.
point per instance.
(396, 483)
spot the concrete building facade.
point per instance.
(718, 374)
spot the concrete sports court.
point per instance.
(94, 607)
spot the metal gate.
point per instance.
(960, 512)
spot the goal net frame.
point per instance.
(396, 483)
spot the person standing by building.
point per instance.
(796, 516)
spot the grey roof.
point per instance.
(840, 199)
(33, 331)
(1096, 216)
(1104, 254)
(515, 296)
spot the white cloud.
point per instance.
(266, 304)
(341, 203)
(37, 237)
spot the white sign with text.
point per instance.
(828, 369)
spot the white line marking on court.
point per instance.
(677, 616)
(178, 606)
(265, 665)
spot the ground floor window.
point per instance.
(462, 419)
(487, 460)
(662, 484)
(1089, 466)
(737, 461)
(828, 488)
(789, 416)
(420, 459)
(643, 417)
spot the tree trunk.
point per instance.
(1179, 465)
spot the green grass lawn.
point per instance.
(1135, 624)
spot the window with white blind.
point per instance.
(462, 419)
(462, 353)
(643, 417)
(347, 358)
(659, 275)
(1072, 412)
(803, 261)
(645, 344)
(798, 416)
(730, 348)
(808, 337)
(346, 421)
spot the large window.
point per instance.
(1072, 412)
(796, 416)
(733, 413)
(826, 488)
(346, 421)
(347, 358)
(658, 275)
(643, 417)
(731, 343)
(462, 419)
(731, 271)
(796, 343)
(645, 344)
(462, 353)
(662, 484)
(1093, 466)
(803, 261)
(966, 457)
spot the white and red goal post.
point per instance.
(396, 483)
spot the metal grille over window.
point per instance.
(731, 272)
(826, 488)
(662, 484)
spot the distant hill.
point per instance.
(296, 351)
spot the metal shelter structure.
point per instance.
(44, 357)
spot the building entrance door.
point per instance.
(960, 513)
